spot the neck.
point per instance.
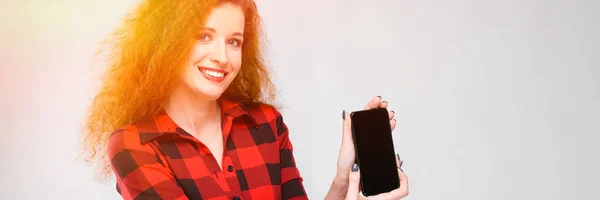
(191, 112)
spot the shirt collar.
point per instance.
(162, 124)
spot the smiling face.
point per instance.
(216, 58)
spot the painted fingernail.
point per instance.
(401, 161)
(344, 114)
(354, 168)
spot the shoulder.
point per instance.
(125, 138)
(128, 154)
(264, 113)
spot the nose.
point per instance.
(219, 54)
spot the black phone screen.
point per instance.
(375, 153)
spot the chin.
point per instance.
(206, 90)
(209, 94)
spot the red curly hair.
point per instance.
(148, 52)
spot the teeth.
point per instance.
(213, 73)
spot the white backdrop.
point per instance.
(494, 99)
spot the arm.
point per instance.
(139, 173)
(291, 180)
(338, 189)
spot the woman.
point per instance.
(183, 111)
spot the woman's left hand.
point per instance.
(346, 157)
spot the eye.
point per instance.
(235, 42)
(204, 37)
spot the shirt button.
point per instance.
(237, 198)
(230, 169)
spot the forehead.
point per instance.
(226, 18)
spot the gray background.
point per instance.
(494, 99)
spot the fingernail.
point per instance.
(344, 114)
(384, 102)
(354, 168)
(401, 161)
(379, 97)
(393, 112)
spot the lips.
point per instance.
(213, 74)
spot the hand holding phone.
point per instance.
(346, 184)
(375, 154)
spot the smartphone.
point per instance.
(375, 154)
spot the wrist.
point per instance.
(338, 189)
(340, 181)
(341, 176)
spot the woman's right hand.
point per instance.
(354, 186)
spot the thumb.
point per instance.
(354, 185)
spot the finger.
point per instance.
(347, 147)
(374, 103)
(347, 128)
(403, 190)
(354, 185)
(391, 114)
(384, 104)
(398, 161)
(393, 123)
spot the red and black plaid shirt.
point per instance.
(159, 160)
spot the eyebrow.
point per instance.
(214, 31)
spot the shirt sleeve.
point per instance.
(139, 172)
(292, 187)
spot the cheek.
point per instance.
(189, 74)
(236, 60)
(198, 53)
